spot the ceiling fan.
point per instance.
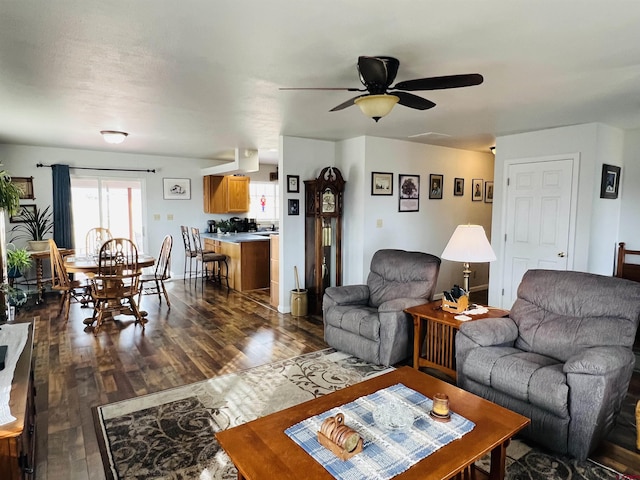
(378, 73)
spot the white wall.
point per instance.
(596, 219)
(303, 157)
(20, 161)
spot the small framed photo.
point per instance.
(458, 187)
(294, 206)
(25, 184)
(435, 186)
(488, 192)
(381, 183)
(293, 184)
(610, 182)
(176, 188)
(409, 197)
(19, 216)
(476, 190)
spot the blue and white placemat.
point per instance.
(385, 454)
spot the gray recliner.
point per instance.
(563, 357)
(368, 321)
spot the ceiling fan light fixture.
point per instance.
(113, 136)
(376, 106)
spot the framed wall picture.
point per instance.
(488, 192)
(294, 206)
(381, 183)
(25, 184)
(435, 186)
(610, 182)
(176, 188)
(18, 217)
(293, 184)
(476, 190)
(458, 187)
(409, 197)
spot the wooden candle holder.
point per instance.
(458, 306)
(333, 435)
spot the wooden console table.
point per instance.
(436, 330)
(18, 438)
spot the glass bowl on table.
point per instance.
(393, 417)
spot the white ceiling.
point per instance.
(198, 78)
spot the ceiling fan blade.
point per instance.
(413, 101)
(346, 104)
(324, 88)
(439, 83)
(377, 73)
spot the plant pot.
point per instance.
(38, 245)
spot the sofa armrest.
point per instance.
(599, 360)
(348, 295)
(491, 331)
(400, 304)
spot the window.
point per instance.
(113, 203)
(265, 201)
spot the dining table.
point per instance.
(88, 265)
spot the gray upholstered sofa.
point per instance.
(562, 358)
(368, 321)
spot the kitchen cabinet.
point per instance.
(226, 194)
(248, 260)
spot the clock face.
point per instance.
(328, 202)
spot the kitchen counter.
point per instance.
(239, 237)
(247, 257)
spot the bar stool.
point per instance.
(206, 257)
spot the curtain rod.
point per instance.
(109, 169)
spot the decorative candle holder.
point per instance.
(440, 410)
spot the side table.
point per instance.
(436, 330)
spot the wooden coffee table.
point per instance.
(260, 449)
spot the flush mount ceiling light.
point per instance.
(493, 149)
(113, 136)
(376, 106)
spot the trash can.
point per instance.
(299, 302)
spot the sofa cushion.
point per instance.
(401, 274)
(527, 376)
(360, 320)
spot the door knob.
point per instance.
(562, 254)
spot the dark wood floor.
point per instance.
(204, 334)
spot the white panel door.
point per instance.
(539, 200)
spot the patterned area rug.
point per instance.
(170, 434)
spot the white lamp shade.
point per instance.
(376, 106)
(113, 136)
(469, 244)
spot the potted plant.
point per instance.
(18, 260)
(10, 203)
(35, 225)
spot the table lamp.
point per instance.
(468, 244)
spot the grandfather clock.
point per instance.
(323, 234)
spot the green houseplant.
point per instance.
(35, 225)
(18, 260)
(10, 203)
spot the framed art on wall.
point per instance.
(381, 183)
(476, 190)
(176, 188)
(488, 192)
(435, 186)
(610, 182)
(409, 193)
(25, 184)
(294, 206)
(18, 217)
(293, 184)
(458, 187)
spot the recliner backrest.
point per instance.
(401, 274)
(560, 313)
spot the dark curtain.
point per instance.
(62, 217)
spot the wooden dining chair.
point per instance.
(60, 280)
(95, 238)
(154, 284)
(189, 253)
(117, 282)
(206, 258)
